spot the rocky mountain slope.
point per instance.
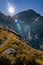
(15, 51)
(28, 24)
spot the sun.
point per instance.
(11, 9)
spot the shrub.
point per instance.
(4, 61)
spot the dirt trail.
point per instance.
(5, 42)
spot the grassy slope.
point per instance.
(26, 55)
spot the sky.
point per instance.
(21, 5)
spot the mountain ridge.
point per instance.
(26, 21)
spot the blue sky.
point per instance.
(21, 5)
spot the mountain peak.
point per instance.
(30, 10)
(26, 15)
(1, 13)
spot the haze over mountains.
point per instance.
(28, 24)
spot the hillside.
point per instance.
(15, 51)
(28, 24)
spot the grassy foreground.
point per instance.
(20, 54)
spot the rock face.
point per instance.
(28, 24)
(11, 51)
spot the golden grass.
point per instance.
(26, 53)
